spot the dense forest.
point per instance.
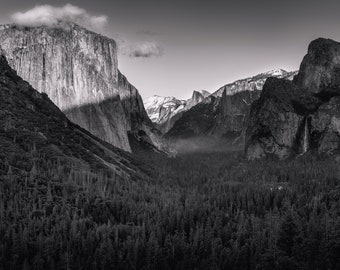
(196, 211)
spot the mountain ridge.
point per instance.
(174, 108)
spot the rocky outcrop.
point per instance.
(78, 70)
(291, 118)
(34, 130)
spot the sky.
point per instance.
(171, 48)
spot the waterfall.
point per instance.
(305, 137)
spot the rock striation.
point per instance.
(291, 118)
(78, 70)
(33, 129)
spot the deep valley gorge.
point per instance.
(95, 174)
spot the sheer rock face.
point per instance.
(291, 118)
(234, 113)
(132, 104)
(140, 127)
(73, 66)
(78, 70)
(273, 121)
(320, 69)
(325, 127)
(32, 128)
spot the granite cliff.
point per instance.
(292, 118)
(78, 70)
(34, 132)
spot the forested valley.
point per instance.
(196, 211)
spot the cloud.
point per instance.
(145, 50)
(51, 15)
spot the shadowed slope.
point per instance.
(32, 128)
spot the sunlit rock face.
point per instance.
(292, 118)
(33, 131)
(78, 70)
(72, 65)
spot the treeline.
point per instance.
(199, 211)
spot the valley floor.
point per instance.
(196, 211)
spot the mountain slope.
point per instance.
(78, 69)
(223, 114)
(34, 131)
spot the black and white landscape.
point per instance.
(174, 135)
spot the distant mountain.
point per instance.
(78, 70)
(35, 133)
(164, 111)
(224, 113)
(254, 83)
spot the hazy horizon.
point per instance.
(173, 48)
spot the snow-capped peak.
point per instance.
(276, 72)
